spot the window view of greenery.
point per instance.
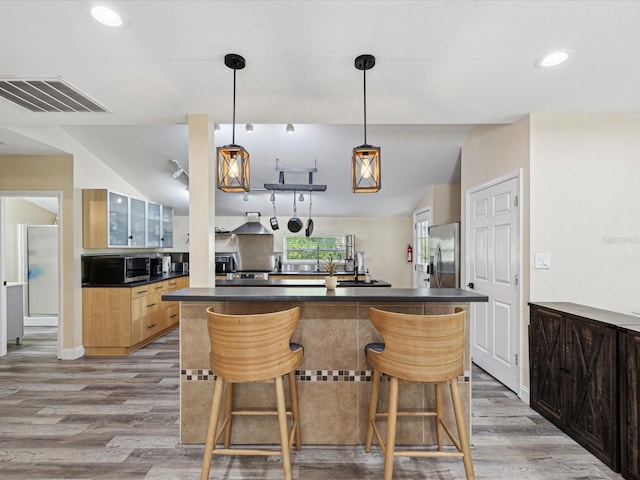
(311, 249)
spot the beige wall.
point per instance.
(21, 211)
(384, 238)
(492, 152)
(444, 201)
(585, 212)
(52, 174)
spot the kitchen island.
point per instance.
(334, 376)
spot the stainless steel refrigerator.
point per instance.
(444, 256)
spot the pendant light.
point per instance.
(233, 160)
(365, 162)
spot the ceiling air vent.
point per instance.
(50, 95)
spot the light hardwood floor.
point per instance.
(117, 418)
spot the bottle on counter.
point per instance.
(367, 277)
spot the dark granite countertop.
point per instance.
(300, 282)
(314, 294)
(160, 278)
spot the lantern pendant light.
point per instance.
(233, 160)
(365, 162)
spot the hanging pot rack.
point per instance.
(282, 186)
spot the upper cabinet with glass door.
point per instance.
(114, 220)
(167, 227)
(154, 232)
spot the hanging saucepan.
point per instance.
(294, 224)
(274, 219)
(309, 230)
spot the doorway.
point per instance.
(421, 223)
(29, 268)
(493, 269)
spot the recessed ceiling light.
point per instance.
(554, 58)
(106, 16)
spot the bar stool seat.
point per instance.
(423, 349)
(253, 348)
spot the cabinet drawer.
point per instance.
(143, 306)
(172, 314)
(152, 324)
(158, 287)
(141, 291)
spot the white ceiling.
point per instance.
(442, 67)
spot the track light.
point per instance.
(290, 128)
(248, 128)
(179, 169)
(245, 197)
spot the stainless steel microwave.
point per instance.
(116, 269)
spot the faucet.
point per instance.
(355, 273)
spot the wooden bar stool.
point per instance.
(253, 348)
(424, 349)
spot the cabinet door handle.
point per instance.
(152, 325)
(143, 291)
(151, 305)
(158, 288)
(174, 315)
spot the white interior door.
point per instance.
(421, 222)
(493, 246)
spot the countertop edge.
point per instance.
(315, 294)
(162, 278)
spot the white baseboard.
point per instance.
(525, 395)
(72, 353)
(49, 321)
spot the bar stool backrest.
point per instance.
(250, 348)
(420, 348)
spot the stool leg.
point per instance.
(282, 424)
(462, 429)
(228, 409)
(373, 408)
(211, 431)
(439, 419)
(295, 411)
(391, 429)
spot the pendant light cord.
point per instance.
(364, 75)
(233, 130)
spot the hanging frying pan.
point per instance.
(295, 224)
(309, 230)
(274, 219)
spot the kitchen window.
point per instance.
(296, 249)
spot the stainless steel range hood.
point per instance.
(252, 227)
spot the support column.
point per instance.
(202, 205)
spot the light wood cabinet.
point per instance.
(114, 220)
(120, 320)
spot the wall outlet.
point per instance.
(543, 260)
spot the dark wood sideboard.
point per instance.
(584, 367)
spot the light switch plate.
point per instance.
(543, 260)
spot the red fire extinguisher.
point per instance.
(409, 253)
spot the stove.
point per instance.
(248, 276)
